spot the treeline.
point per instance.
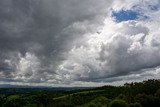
(137, 94)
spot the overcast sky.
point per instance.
(79, 42)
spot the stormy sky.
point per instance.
(79, 42)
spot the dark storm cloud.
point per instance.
(36, 21)
(42, 28)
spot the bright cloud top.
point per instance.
(79, 43)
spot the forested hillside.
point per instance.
(142, 94)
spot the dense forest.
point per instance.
(137, 94)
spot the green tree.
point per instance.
(157, 94)
(118, 103)
(135, 105)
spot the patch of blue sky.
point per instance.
(125, 15)
(134, 14)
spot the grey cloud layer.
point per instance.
(56, 41)
(42, 30)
